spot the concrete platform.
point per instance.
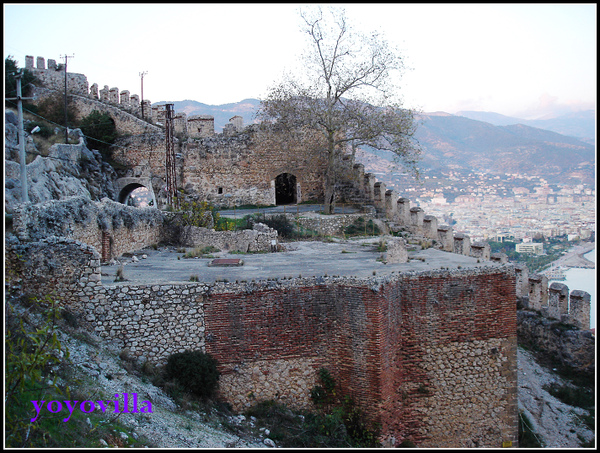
(353, 258)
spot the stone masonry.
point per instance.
(423, 353)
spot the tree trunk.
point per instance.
(329, 196)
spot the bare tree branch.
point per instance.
(349, 94)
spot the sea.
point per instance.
(584, 280)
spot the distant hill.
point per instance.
(578, 124)
(222, 113)
(488, 142)
(451, 141)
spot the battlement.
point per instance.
(53, 77)
(195, 126)
(552, 301)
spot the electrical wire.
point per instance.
(86, 136)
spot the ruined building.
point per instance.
(429, 353)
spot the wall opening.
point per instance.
(285, 189)
(136, 195)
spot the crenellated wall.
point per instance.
(53, 77)
(552, 301)
(429, 356)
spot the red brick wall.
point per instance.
(432, 327)
(335, 326)
(432, 358)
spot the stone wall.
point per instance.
(54, 76)
(110, 227)
(431, 356)
(452, 375)
(114, 229)
(259, 239)
(552, 301)
(241, 169)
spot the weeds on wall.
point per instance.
(527, 436)
(335, 409)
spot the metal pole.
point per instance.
(66, 115)
(23, 165)
(170, 158)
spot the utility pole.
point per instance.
(23, 164)
(170, 157)
(66, 116)
(142, 74)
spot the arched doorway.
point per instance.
(136, 195)
(285, 189)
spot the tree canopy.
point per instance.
(100, 129)
(348, 92)
(11, 68)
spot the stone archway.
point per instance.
(134, 192)
(286, 189)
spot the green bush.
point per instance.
(100, 130)
(199, 214)
(283, 225)
(194, 371)
(10, 85)
(31, 353)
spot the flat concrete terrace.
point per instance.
(345, 258)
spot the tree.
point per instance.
(11, 69)
(100, 129)
(348, 95)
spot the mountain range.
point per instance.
(580, 124)
(561, 149)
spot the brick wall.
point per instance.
(430, 356)
(453, 369)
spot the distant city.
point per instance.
(494, 207)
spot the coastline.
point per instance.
(574, 257)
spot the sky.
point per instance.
(524, 60)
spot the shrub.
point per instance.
(100, 130)
(32, 353)
(194, 371)
(199, 214)
(283, 225)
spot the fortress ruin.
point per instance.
(427, 349)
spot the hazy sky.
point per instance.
(525, 60)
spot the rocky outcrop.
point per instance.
(67, 170)
(558, 342)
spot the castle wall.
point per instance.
(110, 227)
(240, 170)
(53, 76)
(450, 378)
(431, 356)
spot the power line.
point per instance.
(86, 136)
